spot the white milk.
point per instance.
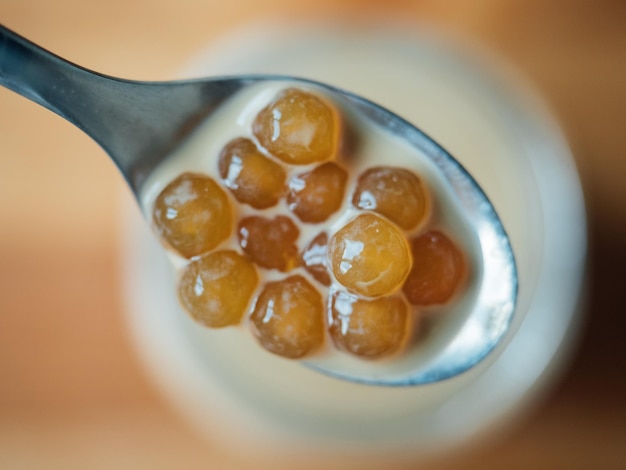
(502, 136)
(375, 147)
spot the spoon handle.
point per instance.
(137, 123)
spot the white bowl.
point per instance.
(501, 132)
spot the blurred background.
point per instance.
(72, 392)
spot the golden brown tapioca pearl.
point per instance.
(438, 269)
(314, 259)
(367, 328)
(298, 127)
(192, 215)
(288, 317)
(369, 256)
(395, 193)
(253, 178)
(216, 289)
(317, 194)
(270, 243)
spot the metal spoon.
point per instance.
(139, 124)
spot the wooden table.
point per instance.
(72, 393)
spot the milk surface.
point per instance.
(432, 328)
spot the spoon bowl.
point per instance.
(140, 124)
